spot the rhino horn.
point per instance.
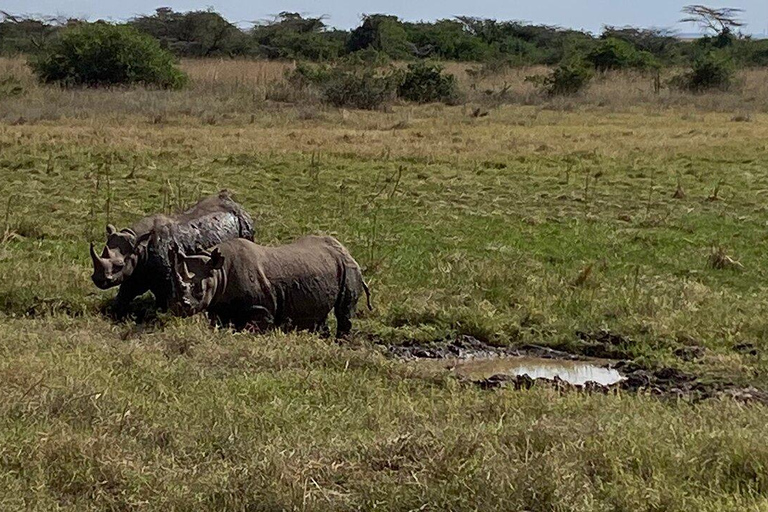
(94, 256)
(106, 253)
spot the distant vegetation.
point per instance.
(350, 61)
(293, 36)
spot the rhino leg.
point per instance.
(129, 290)
(257, 319)
(321, 328)
(346, 303)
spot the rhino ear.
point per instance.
(141, 243)
(217, 260)
(111, 230)
(130, 233)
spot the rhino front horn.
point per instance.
(94, 256)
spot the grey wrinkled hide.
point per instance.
(136, 258)
(248, 285)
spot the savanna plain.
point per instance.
(513, 218)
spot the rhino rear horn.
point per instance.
(217, 260)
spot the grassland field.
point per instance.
(544, 218)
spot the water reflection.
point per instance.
(574, 372)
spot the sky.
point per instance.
(590, 15)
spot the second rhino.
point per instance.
(247, 285)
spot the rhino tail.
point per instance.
(367, 296)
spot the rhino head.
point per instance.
(119, 258)
(195, 280)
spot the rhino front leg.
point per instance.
(321, 328)
(258, 319)
(128, 291)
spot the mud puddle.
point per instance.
(606, 371)
(574, 372)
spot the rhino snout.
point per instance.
(103, 282)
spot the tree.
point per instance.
(720, 21)
(291, 36)
(194, 33)
(26, 34)
(382, 33)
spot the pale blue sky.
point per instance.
(582, 14)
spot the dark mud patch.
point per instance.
(600, 353)
(468, 347)
(604, 344)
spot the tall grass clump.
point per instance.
(102, 54)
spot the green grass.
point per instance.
(484, 231)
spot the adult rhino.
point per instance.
(243, 284)
(136, 258)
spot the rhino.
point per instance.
(246, 285)
(136, 258)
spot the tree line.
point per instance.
(380, 37)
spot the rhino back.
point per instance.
(219, 203)
(304, 277)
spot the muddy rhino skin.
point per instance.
(290, 286)
(136, 258)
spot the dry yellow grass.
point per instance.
(240, 88)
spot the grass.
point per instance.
(483, 226)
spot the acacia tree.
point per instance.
(721, 21)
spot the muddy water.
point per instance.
(573, 372)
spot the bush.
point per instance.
(103, 54)
(709, 71)
(426, 83)
(344, 86)
(568, 78)
(365, 90)
(614, 53)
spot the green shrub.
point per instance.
(568, 78)
(711, 70)
(343, 86)
(365, 90)
(426, 83)
(367, 57)
(97, 54)
(614, 53)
